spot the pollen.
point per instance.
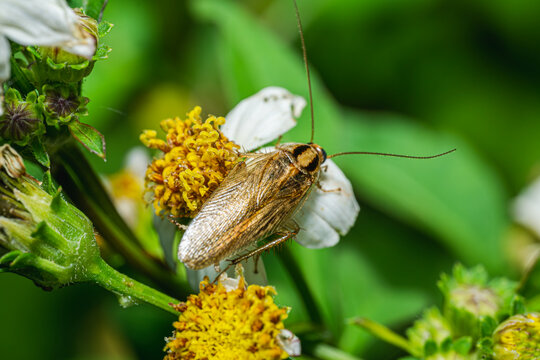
(221, 324)
(195, 158)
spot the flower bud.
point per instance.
(70, 62)
(470, 297)
(61, 104)
(49, 240)
(22, 119)
(430, 327)
(86, 30)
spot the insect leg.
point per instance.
(256, 262)
(325, 190)
(284, 236)
(178, 225)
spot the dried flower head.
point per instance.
(228, 320)
(196, 157)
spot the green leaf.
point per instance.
(517, 305)
(47, 183)
(430, 348)
(6, 259)
(104, 28)
(91, 7)
(40, 153)
(487, 326)
(458, 198)
(463, 345)
(446, 345)
(89, 137)
(337, 277)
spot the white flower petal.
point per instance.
(329, 211)
(229, 283)
(136, 162)
(250, 275)
(526, 207)
(5, 53)
(289, 342)
(315, 232)
(263, 117)
(84, 46)
(44, 22)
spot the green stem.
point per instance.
(112, 280)
(19, 79)
(302, 287)
(86, 190)
(384, 333)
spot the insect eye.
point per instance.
(323, 155)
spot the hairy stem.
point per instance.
(85, 188)
(128, 289)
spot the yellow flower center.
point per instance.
(518, 337)
(222, 325)
(196, 157)
(126, 185)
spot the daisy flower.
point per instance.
(231, 320)
(197, 156)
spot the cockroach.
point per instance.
(259, 198)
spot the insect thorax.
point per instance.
(308, 158)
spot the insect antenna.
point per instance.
(304, 53)
(393, 155)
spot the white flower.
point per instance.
(40, 22)
(526, 207)
(526, 211)
(290, 343)
(126, 186)
(331, 208)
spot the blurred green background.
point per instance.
(415, 77)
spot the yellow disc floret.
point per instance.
(241, 323)
(196, 157)
(518, 338)
(125, 184)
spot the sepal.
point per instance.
(89, 137)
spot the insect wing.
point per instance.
(255, 199)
